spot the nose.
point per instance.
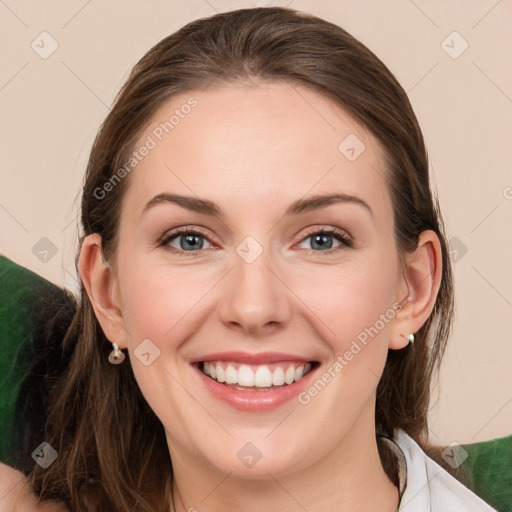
(257, 300)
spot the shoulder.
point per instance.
(16, 495)
(429, 487)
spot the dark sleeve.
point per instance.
(34, 318)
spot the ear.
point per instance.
(101, 284)
(417, 289)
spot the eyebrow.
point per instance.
(208, 207)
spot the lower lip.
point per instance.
(255, 401)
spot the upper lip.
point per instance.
(251, 358)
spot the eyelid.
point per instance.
(346, 238)
(184, 230)
(164, 241)
(343, 236)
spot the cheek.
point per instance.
(348, 299)
(158, 301)
(162, 304)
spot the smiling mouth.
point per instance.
(248, 377)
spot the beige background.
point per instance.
(51, 109)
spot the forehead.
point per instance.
(248, 146)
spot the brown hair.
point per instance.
(111, 445)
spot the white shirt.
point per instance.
(425, 486)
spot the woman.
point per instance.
(266, 291)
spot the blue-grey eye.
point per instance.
(324, 241)
(187, 241)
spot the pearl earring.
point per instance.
(116, 356)
(411, 338)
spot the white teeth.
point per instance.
(299, 373)
(245, 376)
(263, 377)
(278, 377)
(289, 376)
(221, 374)
(231, 375)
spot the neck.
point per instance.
(348, 478)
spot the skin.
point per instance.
(16, 495)
(254, 149)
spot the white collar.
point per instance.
(425, 486)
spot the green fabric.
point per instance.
(26, 315)
(34, 317)
(489, 465)
(19, 289)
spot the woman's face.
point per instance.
(273, 279)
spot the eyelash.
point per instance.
(341, 236)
